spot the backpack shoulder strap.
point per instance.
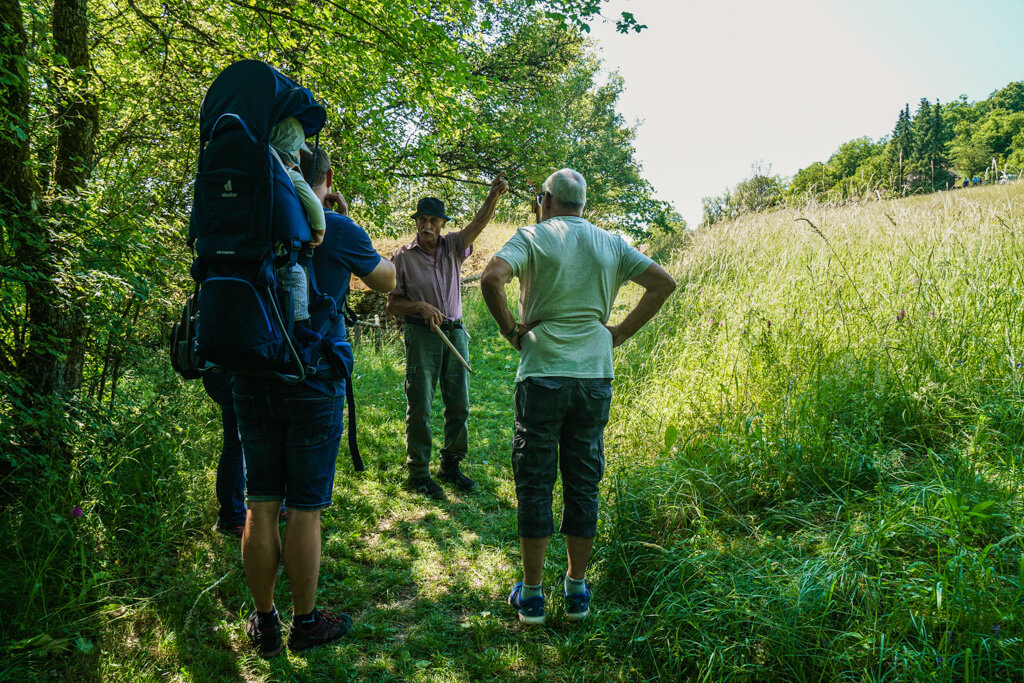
(340, 367)
(353, 444)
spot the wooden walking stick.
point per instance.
(450, 346)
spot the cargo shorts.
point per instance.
(559, 427)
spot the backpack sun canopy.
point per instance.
(261, 96)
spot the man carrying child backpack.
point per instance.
(290, 374)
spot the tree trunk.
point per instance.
(16, 181)
(19, 203)
(50, 359)
(76, 122)
(19, 189)
(77, 117)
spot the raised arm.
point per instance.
(499, 186)
(659, 285)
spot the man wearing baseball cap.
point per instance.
(429, 295)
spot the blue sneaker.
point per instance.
(577, 605)
(531, 611)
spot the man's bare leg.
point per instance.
(302, 558)
(261, 551)
(533, 551)
(578, 549)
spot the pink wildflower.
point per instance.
(77, 511)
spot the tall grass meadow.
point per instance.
(818, 450)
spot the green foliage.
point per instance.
(856, 168)
(1010, 98)
(997, 136)
(808, 182)
(422, 97)
(762, 190)
(543, 110)
(716, 208)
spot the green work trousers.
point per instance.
(429, 361)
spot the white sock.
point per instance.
(574, 587)
(531, 591)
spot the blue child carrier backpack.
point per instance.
(246, 223)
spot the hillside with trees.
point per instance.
(935, 148)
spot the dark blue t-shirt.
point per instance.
(346, 250)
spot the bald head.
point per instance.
(568, 190)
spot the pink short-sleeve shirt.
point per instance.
(435, 279)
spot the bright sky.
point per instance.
(721, 84)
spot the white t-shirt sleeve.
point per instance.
(631, 261)
(516, 252)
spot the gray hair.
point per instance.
(567, 188)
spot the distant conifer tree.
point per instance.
(900, 148)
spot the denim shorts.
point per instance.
(560, 425)
(290, 438)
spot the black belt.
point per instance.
(446, 325)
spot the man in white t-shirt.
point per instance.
(569, 274)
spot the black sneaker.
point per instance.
(427, 487)
(265, 634)
(328, 629)
(454, 476)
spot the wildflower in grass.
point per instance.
(997, 628)
(901, 315)
(77, 511)
(938, 661)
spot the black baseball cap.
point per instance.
(431, 206)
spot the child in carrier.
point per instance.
(287, 139)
